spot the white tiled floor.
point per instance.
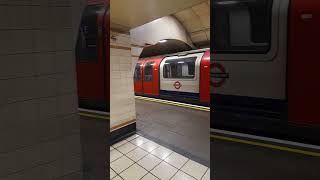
(139, 158)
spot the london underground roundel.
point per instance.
(177, 85)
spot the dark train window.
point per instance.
(183, 68)
(148, 71)
(241, 26)
(87, 42)
(137, 72)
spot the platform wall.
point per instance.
(39, 123)
(122, 103)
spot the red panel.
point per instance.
(91, 76)
(152, 87)
(303, 62)
(205, 78)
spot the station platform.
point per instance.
(246, 157)
(94, 135)
(181, 127)
(138, 158)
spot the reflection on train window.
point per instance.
(183, 68)
(242, 26)
(148, 71)
(87, 50)
(137, 72)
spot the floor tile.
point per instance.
(149, 176)
(139, 141)
(149, 162)
(161, 152)
(119, 143)
(127, 147)
(137, 154)
(115, 154)
(176, 160)
(149, 156)
(182, 176)
(132, 137)
(149, 146)
(164, 171)
(134, 172)
(207, 175)
(121, 164)
(112, 173)
(194, 169)
(117, 178)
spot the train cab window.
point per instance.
(87, 50)
(137, 72)
(148, 71)
(241, 26)
(183, 68)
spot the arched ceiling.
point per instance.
(128, 14)
(196, 21)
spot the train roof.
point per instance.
(182, 53)
(170, 47)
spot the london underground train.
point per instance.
(92, 57)
(265, 64)
(182, 76)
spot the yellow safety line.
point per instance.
(281, 148)
(94, 116)
(173, 103)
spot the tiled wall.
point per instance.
(122, 103)
(39, 123)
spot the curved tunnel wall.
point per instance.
(166, 27)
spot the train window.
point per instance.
(87, 41)
(241, 26)
(148, 71)
(183, 68)
(137, 72)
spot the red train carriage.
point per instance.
(92, 54)
(267, 54)
(183, 76)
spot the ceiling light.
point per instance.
(163, 41)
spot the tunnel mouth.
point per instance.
(165, 46)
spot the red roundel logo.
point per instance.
(177, 85)
(218, 74)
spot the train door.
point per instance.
(137, 77)
(249, 59)
(303, 81)
(205, 78)
(180, 76)
(150, 77)
(91, 64)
